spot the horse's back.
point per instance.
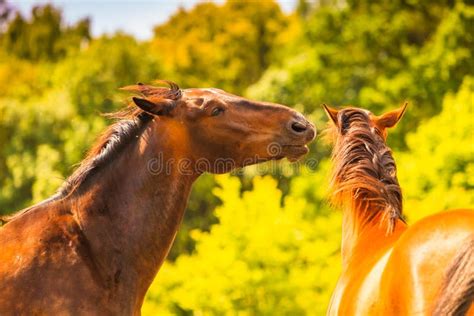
(419, 262)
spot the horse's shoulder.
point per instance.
(38, 234)
(421, 256)
(451, 219)
(443, 230)
(434, 237)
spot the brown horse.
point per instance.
(390, 268)
(95, 246)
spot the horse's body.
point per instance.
(95, 247)
(390, 268)
(403, 274)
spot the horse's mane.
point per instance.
(109, 145)
(130, 122)
(364, 174)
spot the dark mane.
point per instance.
(364, 175)
(130, 123)
(110, 144)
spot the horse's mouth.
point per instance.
(294, 152)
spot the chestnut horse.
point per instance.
(95, 246)
(390, 268)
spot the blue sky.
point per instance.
(133, 17)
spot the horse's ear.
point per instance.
(390, 119)
(331, 113)
(156, 108)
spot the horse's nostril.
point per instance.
(298, 127)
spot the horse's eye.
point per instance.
(217, 111)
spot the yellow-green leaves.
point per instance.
(263, 257)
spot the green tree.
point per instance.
(44, 37)
(5, 12)
(227, 45)
(437, 171)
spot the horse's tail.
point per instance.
(457, 292)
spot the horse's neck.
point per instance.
(363, 246)
(131, 216)
(361, 240)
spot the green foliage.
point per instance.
(437, 173)
(5, 12)
(93, 75)
(267, 254)
(227, 45)
(44, 37)
(31, 137)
